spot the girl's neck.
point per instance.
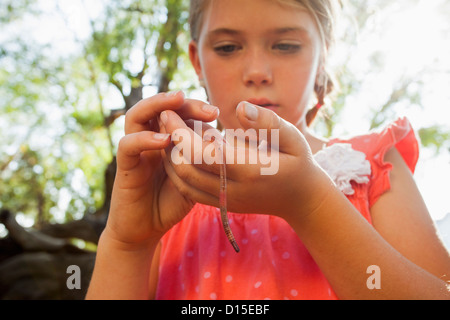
(315, 142)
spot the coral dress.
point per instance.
(198, 262)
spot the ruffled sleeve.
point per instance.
(398, 134)
(373, 146)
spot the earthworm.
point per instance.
(223, 203)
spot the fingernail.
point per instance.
(161, 136)
(172, 93)
(163, 117)
(209, 108)
(251, 112)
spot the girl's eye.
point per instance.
(226, 49)
(287, 47)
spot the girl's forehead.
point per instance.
(255, 15)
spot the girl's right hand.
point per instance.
(145, 203)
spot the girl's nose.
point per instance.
(257, 70)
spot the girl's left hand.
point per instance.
(298, 186)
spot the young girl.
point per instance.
(340, 218)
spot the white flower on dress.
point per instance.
(343, 164)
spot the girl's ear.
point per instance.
(195, 59)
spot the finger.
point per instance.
(184, 138)
(202, 145)
(189, 143)
(281, 135)
(140, 116)
(192, 175)
(192, 184)
(205, 187)
(198, 110)
(133, 145)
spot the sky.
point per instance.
(413, 42)
(410, 41)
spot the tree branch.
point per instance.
(32, 240)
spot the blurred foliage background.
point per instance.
(70, 70)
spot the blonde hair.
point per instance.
(324, 12)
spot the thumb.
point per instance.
(290, 139)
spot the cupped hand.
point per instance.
(284, 180)
(145, 203)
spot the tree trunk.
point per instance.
(34, 265)
(38, 263)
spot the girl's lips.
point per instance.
(265, 103)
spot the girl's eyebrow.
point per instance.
(226, 31)
(277, 31)
(285, 30)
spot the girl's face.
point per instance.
(259, 51)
